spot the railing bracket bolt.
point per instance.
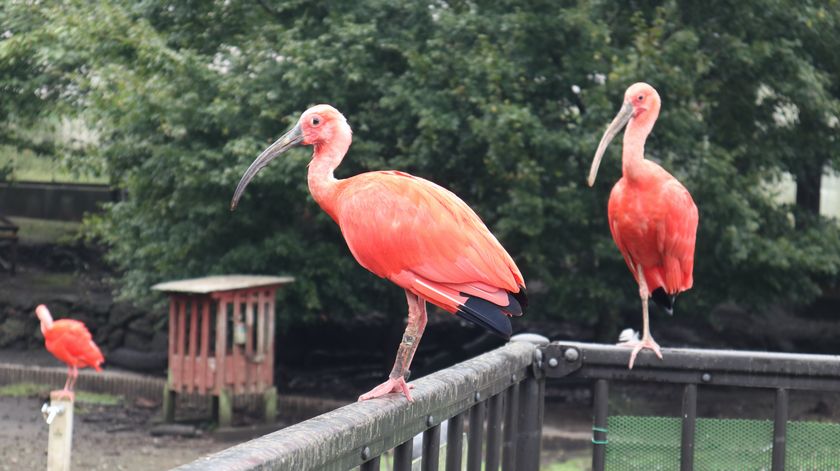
(571, 354)
(552, 362)
(706, 377)
(477, 396)
(366, 453)
(430, 420)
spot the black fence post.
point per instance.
(476, 436)
(372, 465)
(599, 428)
(455, 442)
(431, 449)
(402, 456)
(494, 433)
(689, 420)
(511, 429)
(780, 430)
(530, 424)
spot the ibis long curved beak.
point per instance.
(617, 124)
(291, 139)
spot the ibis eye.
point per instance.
(641, 97)
(316, 121)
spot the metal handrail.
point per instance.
(505, 387)
(359, 433)
(685, 365)
(692, 368)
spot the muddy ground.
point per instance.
(104, 438)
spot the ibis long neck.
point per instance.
(45, 318)
(322, 182)
(633, 149)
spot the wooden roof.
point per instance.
(210, 284)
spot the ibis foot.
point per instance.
(396, 385)
(638, 345)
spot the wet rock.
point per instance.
(99, 306)
(145, 403)
(136, 341)
(114, 339)
(142, 325)
(160, 341)
(65, 300)
(175, 430)
(12, 331)
(122, 313)
(138, 360)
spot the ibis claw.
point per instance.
(65, 394)
(638, 346)
(394, 385)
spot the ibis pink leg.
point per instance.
(67, 392)
(75, 377)
(647, 340)
(411, 338)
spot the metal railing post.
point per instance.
(494, 434)
(511, 429)
(476, 436)
(599, 428)
(372, 465)
(780, 430)
(530, 424)
(402, 456)
(455, 442)
(689, 420)
(431, 449)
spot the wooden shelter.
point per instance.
(221, 340)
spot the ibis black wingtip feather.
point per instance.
(487, 315)
(664, 300)
(521, 299)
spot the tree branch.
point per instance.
(270, 10)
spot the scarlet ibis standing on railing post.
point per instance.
(409, 230)
(69, 341)
(652, 217)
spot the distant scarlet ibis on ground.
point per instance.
(69, 341)
(652, 217)
(409, 230)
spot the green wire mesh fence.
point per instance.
(653, 444)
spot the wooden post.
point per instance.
(61, 433)
(168, 401)
(270, 405)
(223, 407)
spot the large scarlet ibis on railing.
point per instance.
(69, 341)
(409, 230)
(652, 217)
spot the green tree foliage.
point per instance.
(502, 102)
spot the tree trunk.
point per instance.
(808, 182)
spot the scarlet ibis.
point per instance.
(409, 230)
(69, 341)
(652, 217)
